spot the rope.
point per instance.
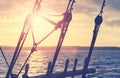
(33, 37)
(4, 57)
(24, 63)
(36, 6)
(59, 15)
(36, 44)
(34, 49)
(24, 34)
(46, 36)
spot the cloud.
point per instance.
(18, 8)
(92, 7)
(11, 9)
(86, 6)
(5, 5)
(55, 5)
(110, 3)
(113, 23)
(114, 4)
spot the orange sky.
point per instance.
(13, 13)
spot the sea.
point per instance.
(106, 62)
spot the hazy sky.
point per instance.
(13, 13)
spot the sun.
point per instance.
(40, 25)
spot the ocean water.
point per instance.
(106, 62)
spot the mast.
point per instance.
(65, 23)
(98, 21)
(21, 40)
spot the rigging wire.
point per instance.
(33, 37)
(4, 57)
(37, 43)
(25, 31)
(98, 21)
(65, 23)
(34, 49)
(37, 6)
(59, 15)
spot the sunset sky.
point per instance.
(14, 12)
